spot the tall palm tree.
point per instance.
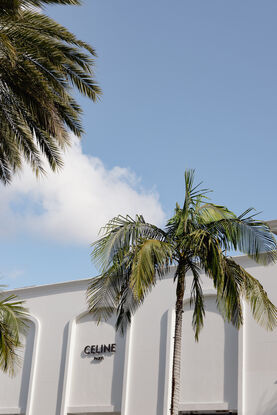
(132, 255)
(41, 61)
(13, 324)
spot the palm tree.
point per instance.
(132, 255)
(13, 324)
(41, 61)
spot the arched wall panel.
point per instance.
(96, 380)
(209, 370)
(14, 391)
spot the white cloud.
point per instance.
(72, 205)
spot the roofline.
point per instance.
(50, 285)
(86, 280)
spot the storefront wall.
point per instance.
(72, 365)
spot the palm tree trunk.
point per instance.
(176, 370)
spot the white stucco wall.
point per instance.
(225, 370)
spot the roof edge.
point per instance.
(50, 285)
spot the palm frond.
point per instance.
(130, 255)
(13, 6)
(151, 258)
(197, 299)
(194, 195)
(247, 235)
(40, 63)
(104, 291)
(40, 24)
(229, 293)
(203, 247)
(120, 234)
(263, 311)
(13, 323)
(41, 3)
(209, 213)
(111, 294)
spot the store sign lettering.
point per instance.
(96, 349)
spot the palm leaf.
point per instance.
(13, 323)
(120, 234)
(197, 299)
(263, 311)
(229, 293)
(40, 63)
(151, 258)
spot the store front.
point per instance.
(72, 365)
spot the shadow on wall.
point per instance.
(118, 372)
(26, 368)
(162, 363)
(62, 370)
(268, 404)
(230, 378)
(212, 365)
(231, 362)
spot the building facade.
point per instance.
(72, 365)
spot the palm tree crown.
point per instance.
(40, 63)
(132, 255)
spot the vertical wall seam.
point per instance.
(68, 366)
(127, 371)
(32, 383)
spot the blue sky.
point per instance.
(186, 84)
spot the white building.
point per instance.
(67, 370)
